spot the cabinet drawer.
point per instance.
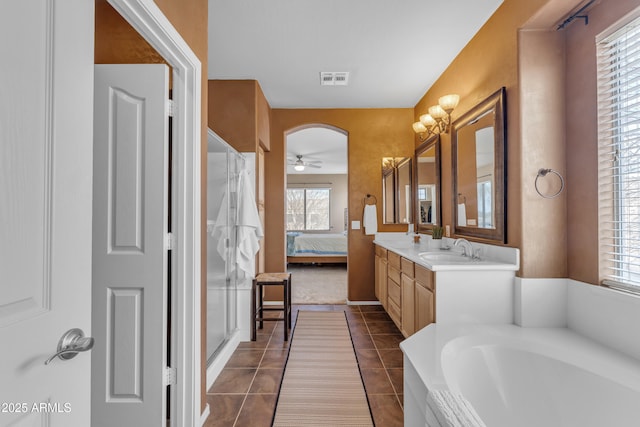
(394, 259)
(381, 252)
(424, 308)
(407, 267)
(394, 273)
(395, 313)
(393, 292)
(424, 277)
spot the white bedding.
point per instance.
(320, 244)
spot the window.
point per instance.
(308, 208)
(619, 155)
(485, 216)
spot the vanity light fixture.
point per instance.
(438, 119)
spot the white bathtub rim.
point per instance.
(559, 344)
(427, 349)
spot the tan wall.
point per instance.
(232, 112)
(550, 80)
(263, 120)
(373, 134)
(117, 42)
(544, 221)
(427, 173)
(239, 113)
(488, 62)
(581, 107)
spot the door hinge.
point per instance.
(170, 375)
(171, 108)
(169, 241)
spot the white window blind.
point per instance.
(618, 63)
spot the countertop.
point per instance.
(493, 258)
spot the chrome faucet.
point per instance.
(467, 249)
(410, 229)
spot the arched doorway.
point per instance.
(316, 217)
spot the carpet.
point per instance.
(321, 385)
(326, 284)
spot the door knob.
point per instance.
(72, 342)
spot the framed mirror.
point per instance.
(427, 191)
(478, 146)
(396, 190)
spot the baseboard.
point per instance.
(348, 303)
(363, 302)
(223, 357)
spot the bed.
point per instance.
(316, 248)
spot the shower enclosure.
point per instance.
(223, 169)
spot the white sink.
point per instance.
(444, 257)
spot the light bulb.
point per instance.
(437, 112)
(418, 127)
(427, 120)
(449, 102)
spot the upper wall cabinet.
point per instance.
(396, 190)
(427, 191)
(478, 141)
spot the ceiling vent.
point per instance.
(334, 78)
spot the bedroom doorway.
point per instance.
(316, 214)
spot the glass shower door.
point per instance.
(221, 237)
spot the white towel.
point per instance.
(452, 409)
(370, 219)
(249, 227)
(220, 230)
(210, 226)
(462, 215)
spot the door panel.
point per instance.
(129, 257)
(45, 187)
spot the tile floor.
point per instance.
(246, 391)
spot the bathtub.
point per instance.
(521, 377)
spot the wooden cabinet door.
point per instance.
(408, 305)
(424, 306)
(376, 276)
(381, 280)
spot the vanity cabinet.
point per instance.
(381, 275)
(394, 290)
(424, 297)
(408, 297)
(405, 289)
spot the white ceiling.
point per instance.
(394, 50)
(326, 146)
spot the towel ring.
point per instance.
(367, 198)
(544, 172)
(462, 197)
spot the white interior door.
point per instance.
(130, 213)
(46, 97)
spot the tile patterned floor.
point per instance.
(246, 392)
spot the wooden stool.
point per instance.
(257, 302)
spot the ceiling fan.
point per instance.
(300, 164)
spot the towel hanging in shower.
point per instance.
(249, 226)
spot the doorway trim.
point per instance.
(316, 125)
(149, 21)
